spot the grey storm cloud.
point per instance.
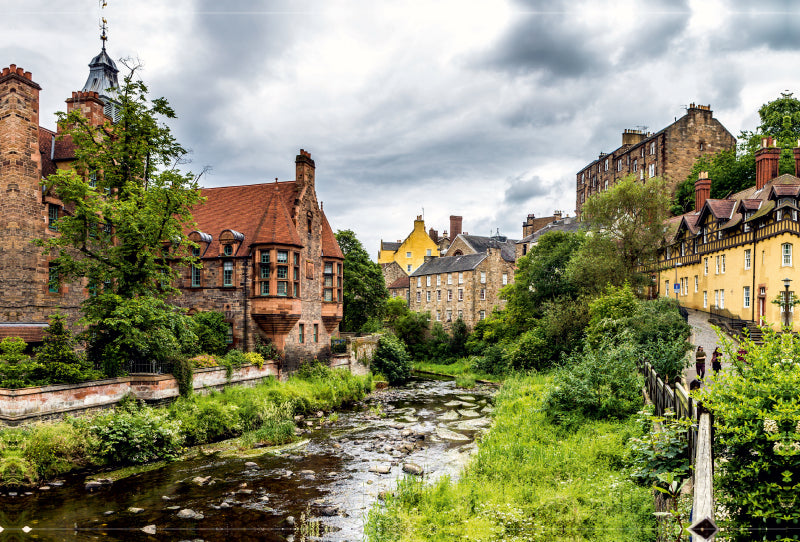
(522, 189)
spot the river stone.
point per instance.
(245, 492)
(406, 433)
(135, 510)
(90, 485)
(412, 468)
(449, 415)
(108, 513)
(172, 508)
(329, 511)
(468, 413)
(471, 425)
(487, 409)
(290, 521)
(381, 468)
(44, 488)
(149, 529)
(451, 404)
(200, 480)
(307, 473)
(336, 446)
(466, 398)
(188, 513)
(251, 465)
(446, 434)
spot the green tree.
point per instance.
(541, 277)
(391, 360)
(632, 214)
(58, 356)
(212, 332)
(129, 205)
(365, 292)
(596, 265)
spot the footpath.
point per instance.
(702, 335)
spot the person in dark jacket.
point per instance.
(700, 362)
(716, 360)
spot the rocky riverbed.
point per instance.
(320, 487)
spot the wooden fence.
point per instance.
(700, 437)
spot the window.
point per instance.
(53, 281)
(461, 314)
(605, 168)
(722, 264)
(747, 258)
(722, 299)
(438, 295)
(283, 272)
(408, 268)
(265, 287)
(716, 298)
(666, 287)
(482, 315)
(427, 280)
(746, 297)
(778, 215)
(635, 166)
(296, 258)
(419, 296)
(296, 289)
(227, 250)
(428, 252)
(716, 263)
(283, 256)
(195, 277)
(316, 333)
(419, 282)
(438, 280)
(651, 170)
(408, 254)
(438, 316)
(705, 299)
(483, 294)
(283, 288)
(505, 279)
(449, 295)
(52, 216)
(449, 278)
(605, 185)
(786, 251)
(460, 294)
(428, 295)
(619, 165)
(483, 277)
(227, 273)
(696, 283)
(461, 278)
(652, 147)
(705, 266)
(449, 315)
(301, 332)
(93, 179)
(229, 334)
(296, 274)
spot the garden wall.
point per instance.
(360, 351)
(48, 402)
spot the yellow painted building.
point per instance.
(731, 256)
(411, 252)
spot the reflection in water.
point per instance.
(333, 477)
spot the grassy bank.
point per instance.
(135, 434)
(530, 480)
(462, 367)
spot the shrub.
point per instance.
(16, 368)
(493, 361)
(528, 352)
(392, 360)
(53, 449)
(458, 338)
(254, 358)
(312, 369)
(136, 435)
(57, 355)
(267, 349)
(596, 384)
(663, 449)
(212, 332)
(204, 361)
(183, 371)
(233, 360)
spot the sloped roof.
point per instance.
(566, 224)
(481, 244)
(330, 248)
(45, 149)
(391, 246)
(276, 226)
(401, 282)
(244, 208)
(450, 264)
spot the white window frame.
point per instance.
(716, 298)
(483, 294)
(438, 280)
(786, 255)
(449, 278)
(652, 147)
(696, 283)
(483, 277)
(666, 288)
(705, 299)
(746, 297)
(461, 294)
(722, 299)
(747, 258)
(460, 277)
(428, 296)
(427, 280)
(705, 266)
(505, 279)
(716, 265)
(419, 282)
(651, 171)
(722, 264)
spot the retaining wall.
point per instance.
(360, 351)
(49, 402)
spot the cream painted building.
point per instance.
(411, 252)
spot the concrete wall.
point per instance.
(49, 402)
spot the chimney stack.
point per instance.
(796, 151)
(702, 190)
(766, 162)
(455, 226)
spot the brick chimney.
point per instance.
(89, 104)
(304, 168)
(702, 190)
(796, 151)
(434, 235)
(766, 162)
(455, 226)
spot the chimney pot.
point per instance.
(702, 190)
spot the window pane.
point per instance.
(283, 272)
(283, 288)
(283, 256)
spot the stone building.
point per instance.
(732, 256)
(399, 288)
(411, 252)
(477, 244)
(533, 224)
(392, 272)
(31, 289)
(566, 224)
(464, 286)
(271, 263)
(669, 153)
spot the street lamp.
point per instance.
(786, 282)
(675, 286)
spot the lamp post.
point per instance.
(786, 282)
(675, 286)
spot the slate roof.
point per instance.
(402, 282)
(449, 264)
(480, 244)
(391, 246)
(566, 224)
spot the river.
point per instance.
(323, 485)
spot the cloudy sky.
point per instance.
(479, 108)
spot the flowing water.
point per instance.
(323, 485)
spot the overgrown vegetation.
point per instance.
(530, 480)
(134, 433)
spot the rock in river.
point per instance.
(446, 434)
(381, 468)
(188, 513)
(413, 468)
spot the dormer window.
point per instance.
(227, 250)
(230, 241)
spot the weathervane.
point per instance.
(103, 24)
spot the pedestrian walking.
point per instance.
(700, 362)
(716, 360)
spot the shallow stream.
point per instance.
(324, 484)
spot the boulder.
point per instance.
(413, 468)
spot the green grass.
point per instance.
(529, 480)
(460, 367)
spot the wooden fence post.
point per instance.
(703, 525)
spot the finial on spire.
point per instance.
(103, 24)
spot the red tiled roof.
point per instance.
(45, 146)
(244, 208)
(786, 190)
(402, 282)
(330, 248)
(30, 333)
(276, 226)
(65, 148)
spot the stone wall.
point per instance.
(360, 351)
(50, 402)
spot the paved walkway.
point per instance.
(702, 335)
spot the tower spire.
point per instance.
(103, 25)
